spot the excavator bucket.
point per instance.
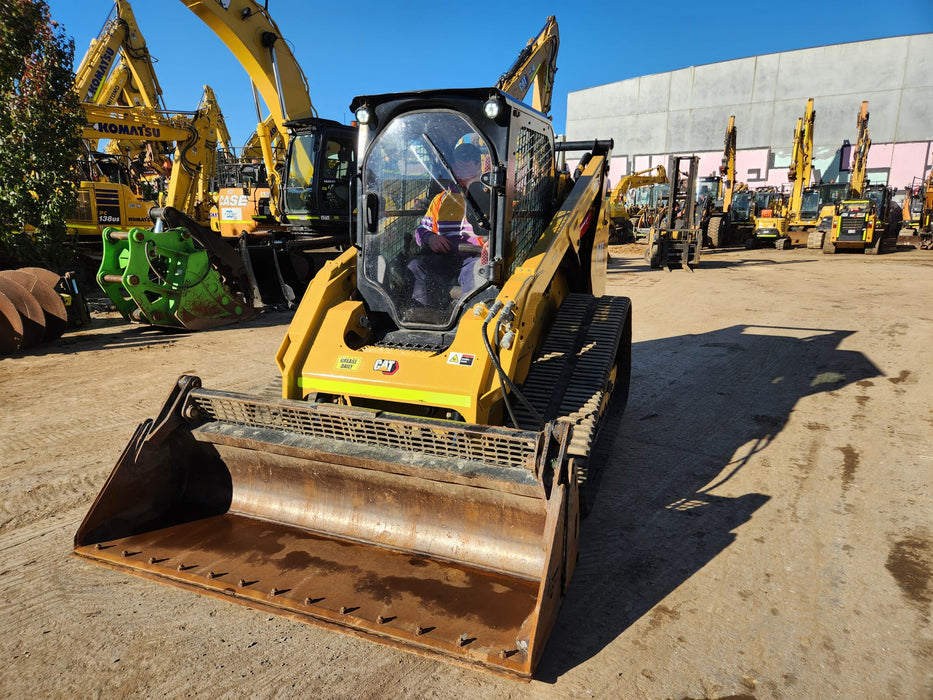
(440, 537)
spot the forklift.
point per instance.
(679, 239)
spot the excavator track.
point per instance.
(571, 379)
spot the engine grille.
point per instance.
(849, 223)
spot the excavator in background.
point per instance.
(110, 193)
(647, 208)
(833, 194)
(117, 83)
(621, 214)
(422, 476)
(142, 155)
(867, 216)
(178, 273)
(917, 213)
(117, 70)
(116, 191)
(725, 207)
(107, 197)
(290, 209)
(791, 225)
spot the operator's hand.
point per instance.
(439, 244)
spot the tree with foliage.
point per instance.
(40, 135)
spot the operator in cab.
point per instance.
(448, 236)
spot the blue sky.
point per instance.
(370, 47)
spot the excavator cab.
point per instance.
(319, 168)
(810, 204)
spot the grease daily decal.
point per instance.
(348, 364)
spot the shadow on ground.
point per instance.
(700, 406)
(112, 331)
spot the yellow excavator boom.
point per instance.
(253, 37)
(727, 168)
(859, 168)
(250, 33)
(656, 174)
(801, 166)
(534, 69)
(120, 37)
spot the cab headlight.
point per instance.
(363, 115)
(491, 108)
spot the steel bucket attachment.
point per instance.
(450, 539)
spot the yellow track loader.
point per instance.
(420, 482)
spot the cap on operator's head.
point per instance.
(466, 152)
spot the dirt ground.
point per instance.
(763, 527)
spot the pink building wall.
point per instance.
(894, 164)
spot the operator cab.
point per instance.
(319, 168)
(810, 204)
(741, 209)
(708, 189)
(878, 194)
(444, 218)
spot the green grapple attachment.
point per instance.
(167, 278)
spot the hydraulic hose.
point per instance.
(504, 380)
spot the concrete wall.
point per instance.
(686, 111)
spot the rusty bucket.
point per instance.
(438, 537)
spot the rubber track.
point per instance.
(568, 380)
